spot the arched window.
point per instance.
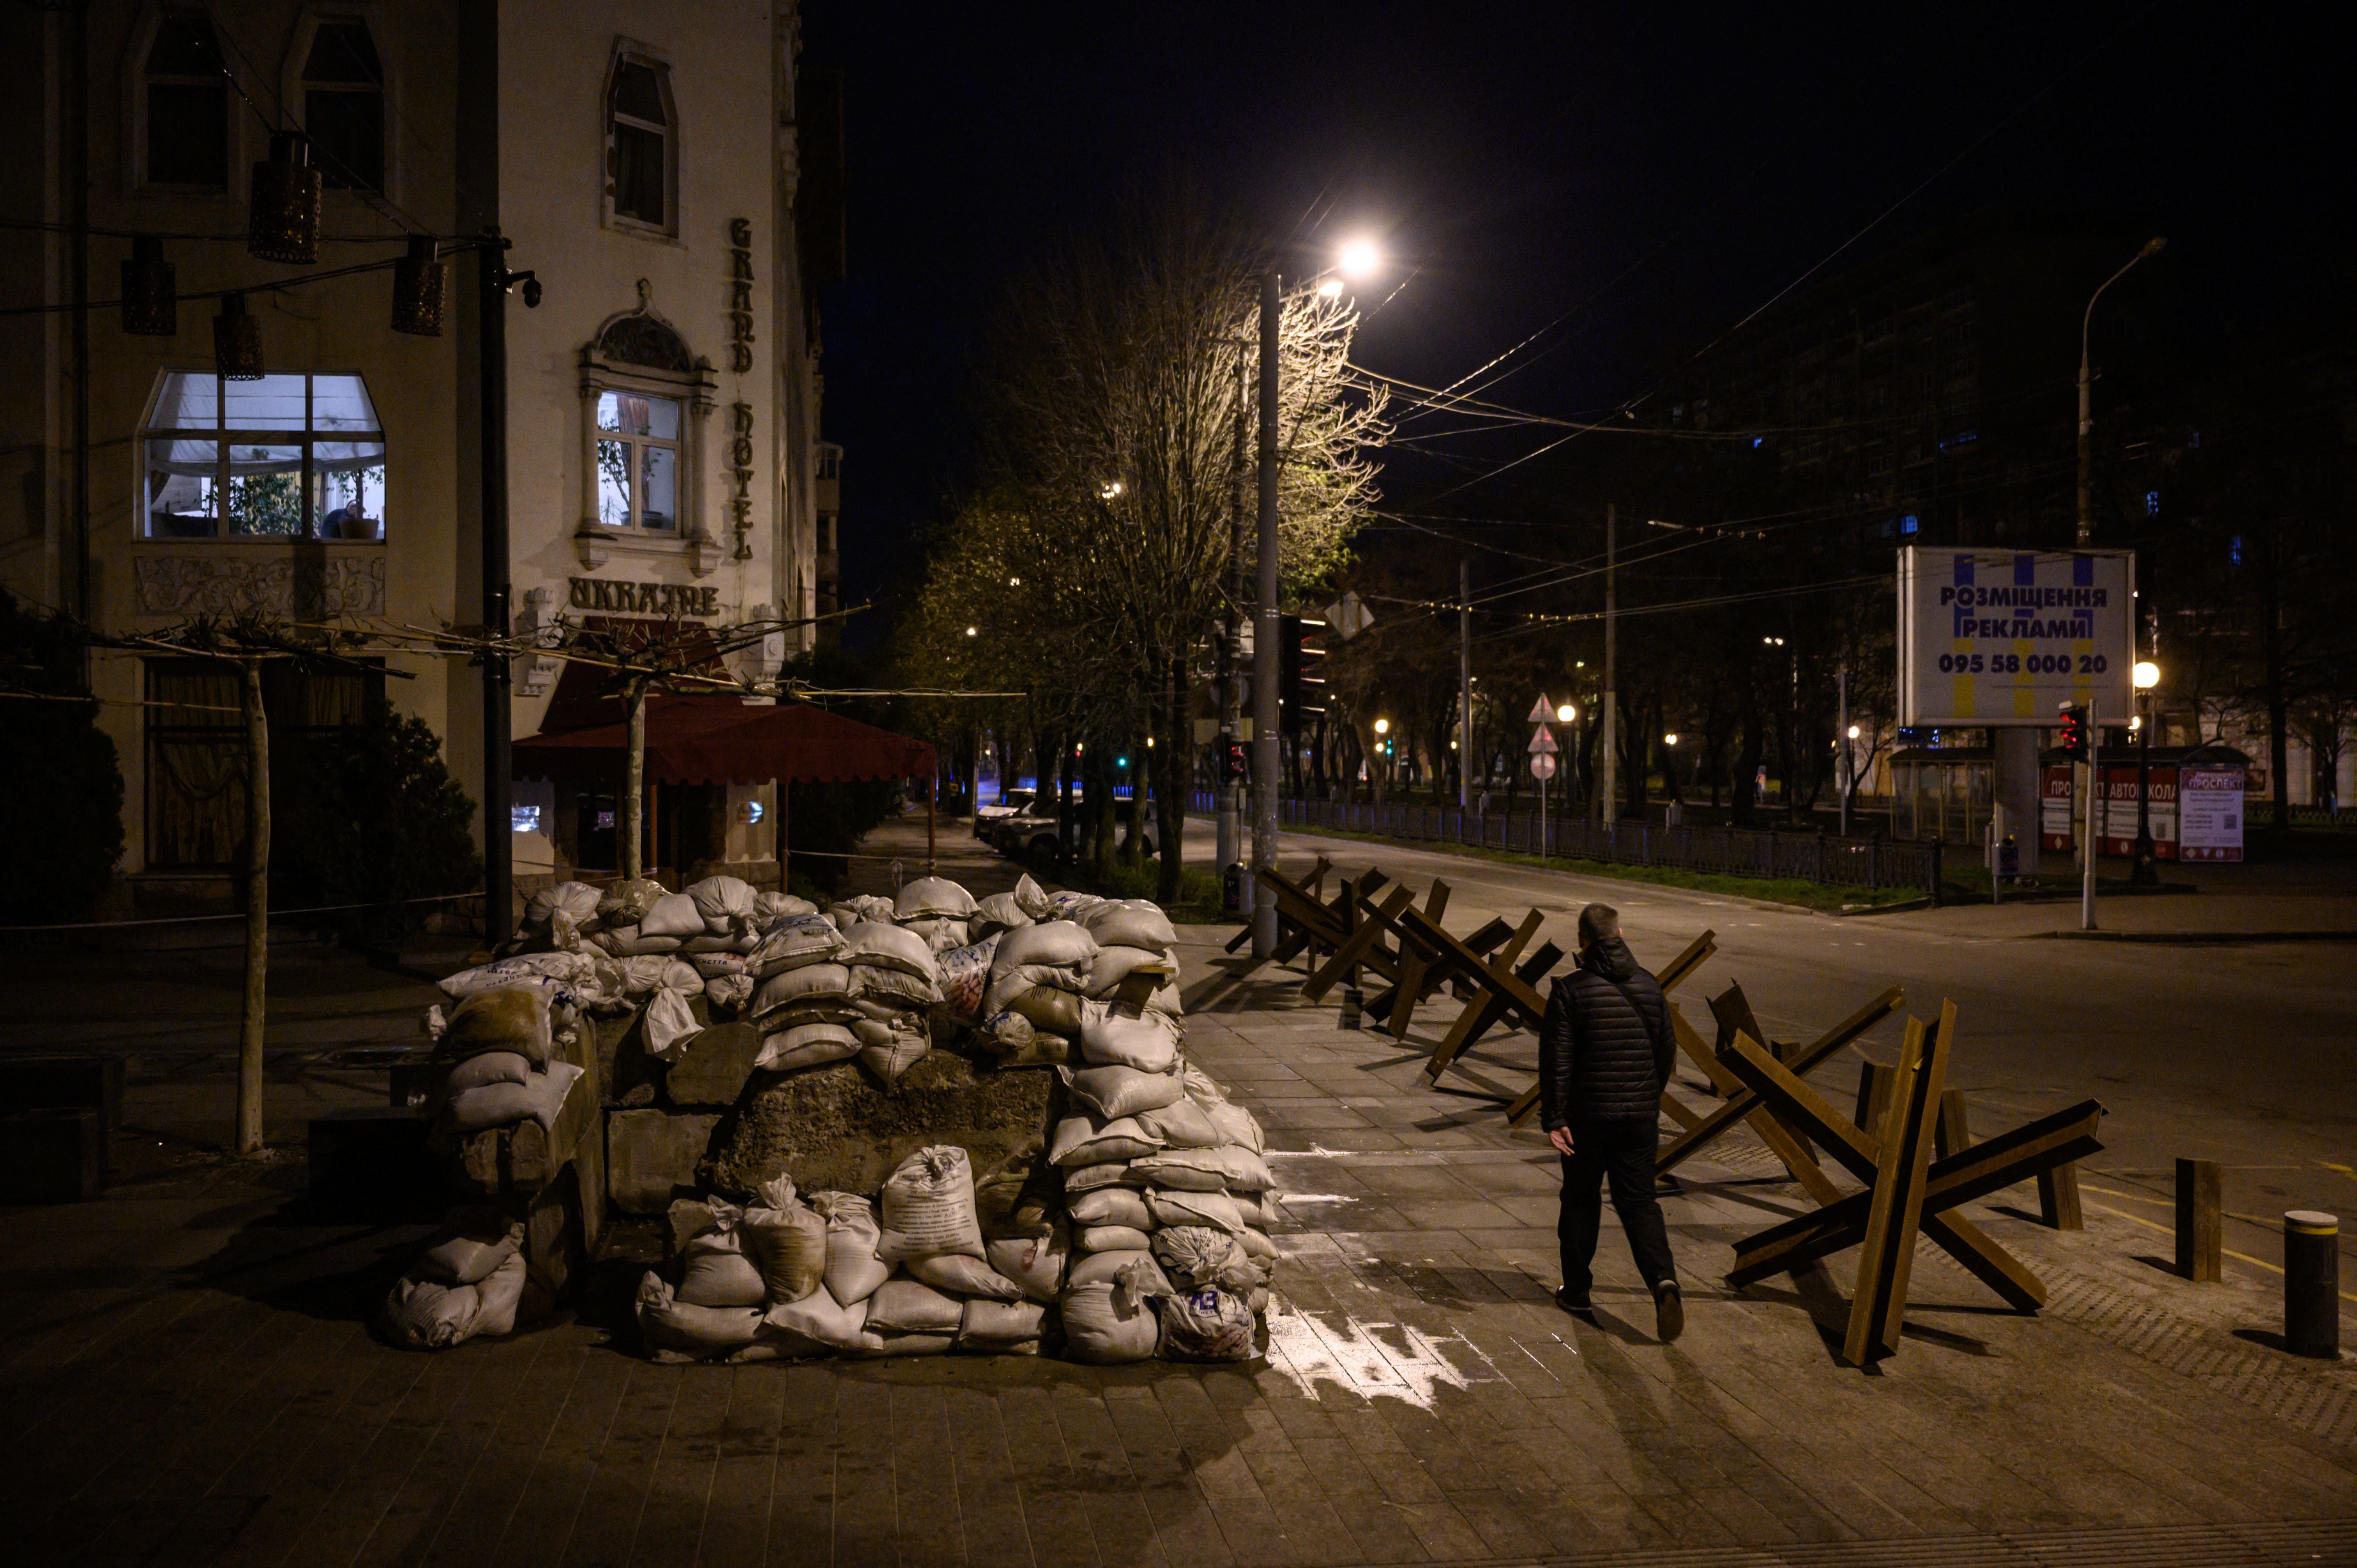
(642, 145)
(343, 104)
(646, 399)
(185, 100)
(288, 456)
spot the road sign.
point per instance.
(1542, 711)
(1990, 637)
(1543, 741)
(1348, 617)
(1542, 766)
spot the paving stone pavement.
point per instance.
(185, 1378)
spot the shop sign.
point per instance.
(674, 601)
(740, 295)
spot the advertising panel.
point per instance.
(2056, 813)
(2120, 809)
(2004, 638)
(2209, 812)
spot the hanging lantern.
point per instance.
(237, 341)
(419, 284)
(282, 223)
(149, 309)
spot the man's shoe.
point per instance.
(1669, 1311)
(1577, 1306)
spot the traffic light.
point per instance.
(1232, 765)
(1300, 689)
(2072, 738)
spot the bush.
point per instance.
(380, 819)
(60, 783)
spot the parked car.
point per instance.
(1008, 802)
(1033, 829)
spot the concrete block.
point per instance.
(650, 1153)
(47, 1082)
(831, 1127)
(716, 1067)
(52, 1155)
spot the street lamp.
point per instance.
(2086, 416)
(1357, 258)
(2144, 874)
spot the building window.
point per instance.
(185, 138)
(288, 456)
(343, 106)
(196, 749)
(642, 159)
(638, 461)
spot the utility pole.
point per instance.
(499, 829)
(2094, 775)
(1608, 795)
(1841, 733)
(1265, 633)
(1232, 642)
(2087, 416)
(1464, 686)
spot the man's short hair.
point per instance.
(1596, 922)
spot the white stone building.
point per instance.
(646, 160)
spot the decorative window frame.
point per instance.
(634, 51)
(224, 436)
(135, 113)
(291, 80)
(637, 351)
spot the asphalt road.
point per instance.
(2242, 1054)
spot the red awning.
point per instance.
(719, 739)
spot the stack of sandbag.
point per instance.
(561, 915)
(895, 980)
(937, 909)
(498, 1042)
(1162, 1173)
(1039, 973)
(465, 1282)
(802, 997)
(1133, 937)
(735, 1267)
(942, 1293)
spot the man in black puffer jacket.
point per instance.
(1604, 1056)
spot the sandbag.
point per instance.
(1036, 1263)
(787, 1242)
(997, 1327)
(650, 973)
(889, 947)
(964, 977)
(852, 1269)
(526, 970)
(1111, 1205)
(1030, 897)
(1193, 1256)
(955, 1273)
(504, 1018)
(1233, 1166)
(1235, 1125)
(1149, 1042)
(1206, 1325)
(999, 912)
(1181, 1125)
(887, 983)
(802, 984)
(910, 1306)
(931, 896)
(1048, 1009)
(728, 992)
(805, 1045)
(861, 906)
(492, 1067)
(426, 1315)
(672, 915)
(461, 1259)
(722, 901)
(1171, 1207)
(1070, 905)
(498, 1294)
(715, 1271)
(1112, 1323)
(1110, 1239)
(1115, 964)
(796, 941)
(627, 903)
(1060, 944)
(820, 1320)
(670, 1026)
(1007, 1039)
(1131, 923)
(669, 1324)
(1257, 1246)
(928, 1207)
(539, 1099)
(1116, 1091)
(890, 1344)
(902, 1048)
(939, 932)
(1086, 1140)
(716, 965)
(577, 901)
(1087, 1179)
(1101, 1268)
(770, 908)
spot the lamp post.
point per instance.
(2144, 874)
(1357, 258)
(2086, 415)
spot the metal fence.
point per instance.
(1803, 856)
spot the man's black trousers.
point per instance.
(1621, 1153)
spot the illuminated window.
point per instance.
(290, 456)
(642, 145)
(638, 461)
(185, 141)
(343, 106)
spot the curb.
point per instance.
(2193, 939)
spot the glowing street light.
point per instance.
(1330, 289)
(1853, 732)
(970, 631)
(2147, 675)
(2143, 873)
(1383, 727)
(1359, 258)
(1565, 714)
(1110, 491)
(1671, 738)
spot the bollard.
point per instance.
(1354, 1005)
(2198, 1219)
(2311, 1282)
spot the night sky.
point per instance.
(1656, 172)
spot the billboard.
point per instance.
(2209, 812)
(2004, 638)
